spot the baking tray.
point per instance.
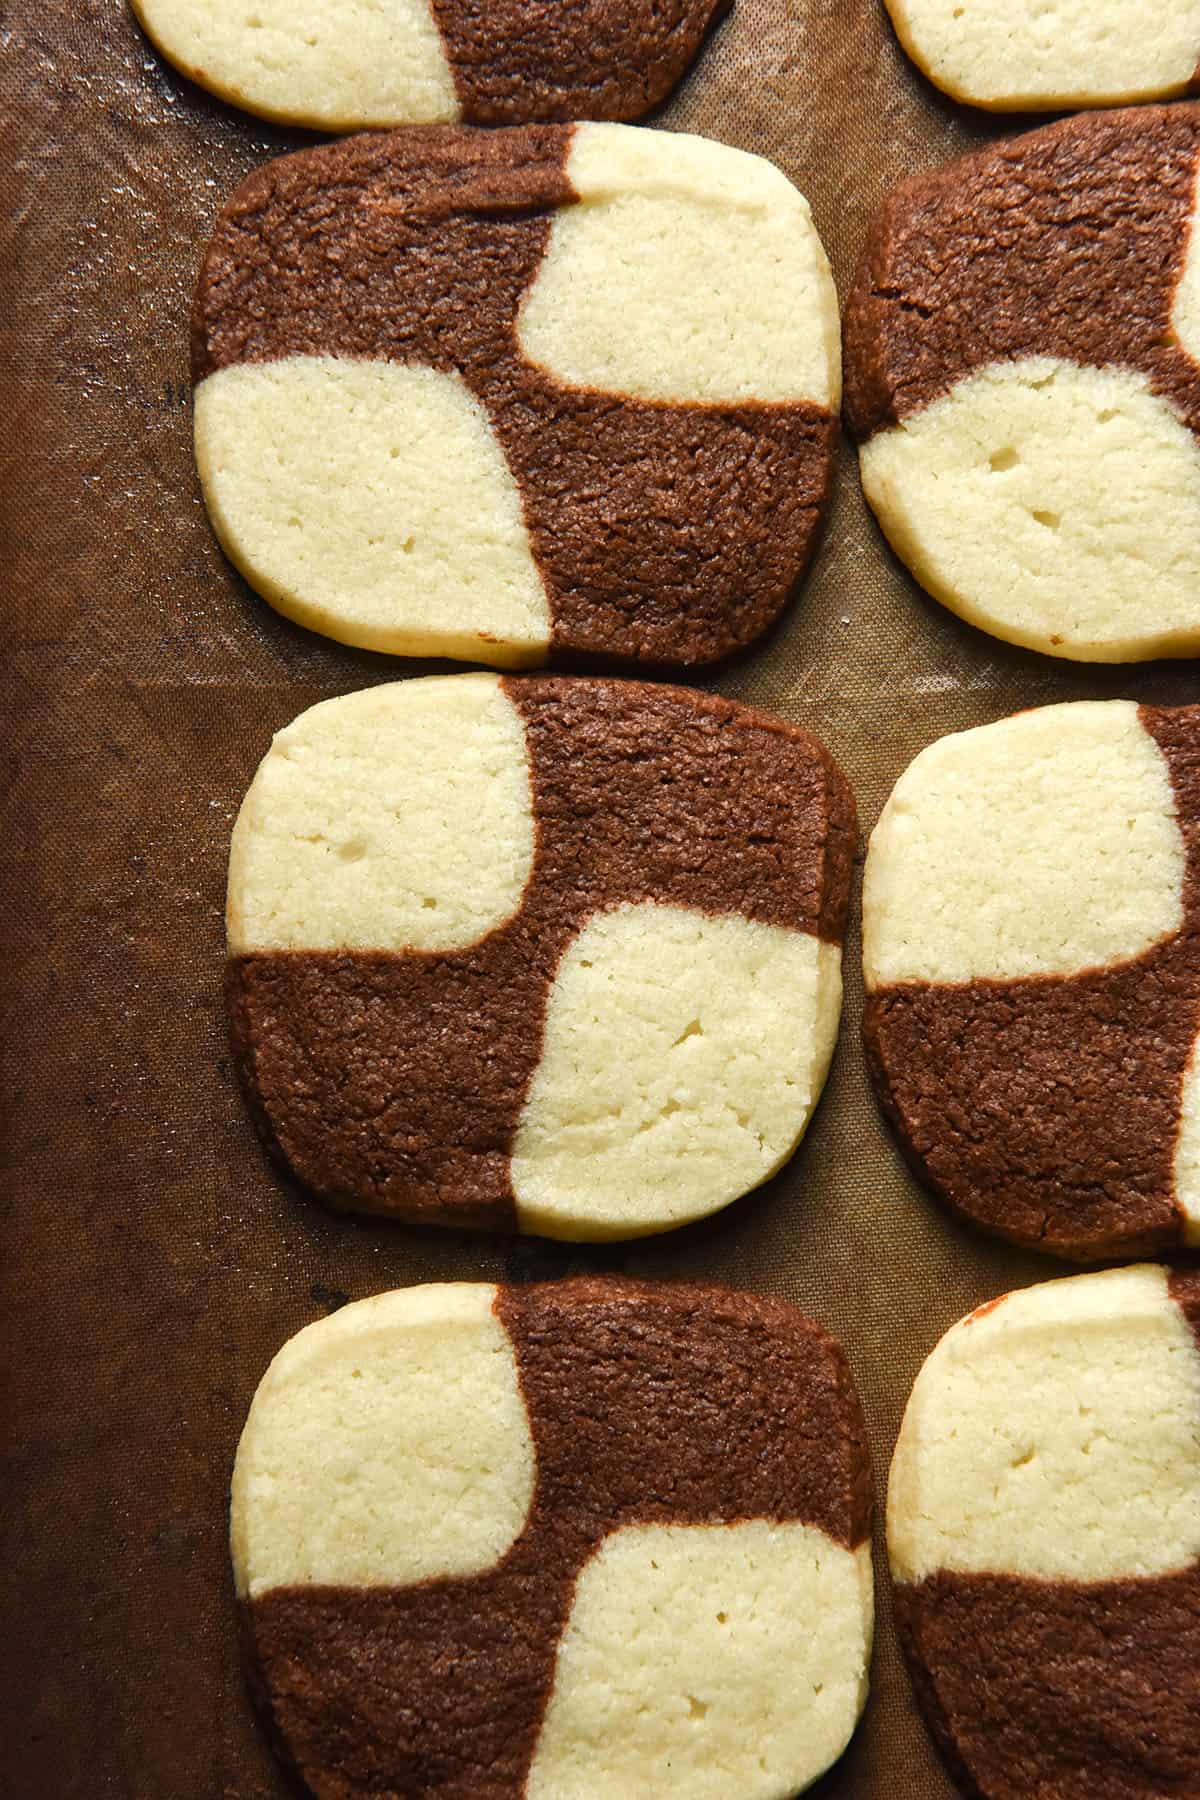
(154, 1261)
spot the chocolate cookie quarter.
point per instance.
(541, 955)
(1024, 56)
(1031, 947)
(1021, 370)
(490, 394)
(1044, 1536)
(337, 65)
(579, 1541)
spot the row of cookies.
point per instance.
(501, 395)
(595, 1539)
(563, 955)
(343, 66)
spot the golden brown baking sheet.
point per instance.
(154, 1262)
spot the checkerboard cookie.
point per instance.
(581, 1540)
(1031, 948)
(498, 394)
(339, 65)
(559, 956)
(1022, 373)
(1023, 56)
(1044, 1535)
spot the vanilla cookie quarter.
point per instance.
(540, 955)
(1031, 908)
(337, 65)
(633, 1522)
(1023, 56)
(1044, 1538)
(1021, 372)
(491, 394)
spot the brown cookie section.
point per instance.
(514, 60)
(647, 1405)
(1068, 241)
(1086, 1692)
(1183, 1286)
(1047, 1110)
(666, 533)
(394, 1082)
(1083, 1691)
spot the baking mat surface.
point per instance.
(154, 1261)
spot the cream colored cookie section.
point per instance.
(1042, 54)
(1185, 308)
(371, 501)
(707, 1661)
(1055, 1435)
(396, 818)
(334, 64)
(683, 1057)
(1043, 844)
(688, 271)
(1055, 506)
(1187, 1154)
(386, 1444)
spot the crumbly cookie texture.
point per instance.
(1021, 371)
(1044, 1538)
(340, 65)
(492, 394)
(1031, 950)
(1022, 56)
(633, 1521)
(560, 956)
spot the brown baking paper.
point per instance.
(154, 1260)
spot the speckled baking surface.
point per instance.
(154, 1262)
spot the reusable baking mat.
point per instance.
(154, 1261)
